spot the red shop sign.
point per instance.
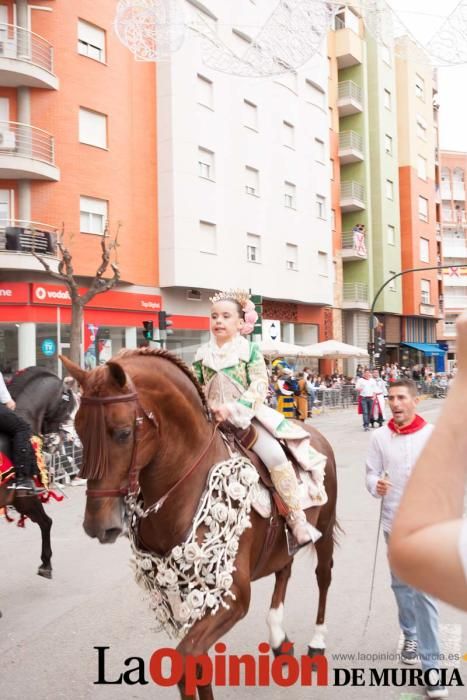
(59, 296)
(14, 292)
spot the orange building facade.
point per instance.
(78, 154)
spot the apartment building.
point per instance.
(369, 191)
(244, 186)
(454, 246)
(77, 151)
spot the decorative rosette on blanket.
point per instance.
(194, 579)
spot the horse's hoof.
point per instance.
(285, 649)
(314, 651)
(45, 573)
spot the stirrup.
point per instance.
(297, 520)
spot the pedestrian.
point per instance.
(19, 432)
(378, 408)
(429, 543)
(392, 453)
(366, 387)
(233, 373)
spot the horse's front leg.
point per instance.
(203, 634)
(35, 511)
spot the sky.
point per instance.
(423, 18)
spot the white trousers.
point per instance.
(268, 448)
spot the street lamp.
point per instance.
(371, 344)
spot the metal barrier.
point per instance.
(63, 456)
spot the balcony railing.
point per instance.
(350, 90)
(17, 236)
(26, 141)
(354, 246)
(21, 44)
(352, 190)
(355, 292)
(350, 140)
(454, 302)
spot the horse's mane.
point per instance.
(23, 377)
(166, 355)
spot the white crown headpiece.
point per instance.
(240, 295)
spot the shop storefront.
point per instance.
(35, 324)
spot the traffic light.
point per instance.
(257, 300)
(380, 344)
(371, 348)
(148, 330)
(164, 322)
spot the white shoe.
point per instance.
(302, 530)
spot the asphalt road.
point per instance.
(49, 629)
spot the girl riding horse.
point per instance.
(233, 372)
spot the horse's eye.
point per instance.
(122, 435)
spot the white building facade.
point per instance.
(243, 183)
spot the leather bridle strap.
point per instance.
(159, 503)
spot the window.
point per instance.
(288, 134)
(323, 264)
(93, 215)
(389, 189)
(424, 250)
(388, 144)
(386, 54)
(92, 128)
(421, 127)
(419, 87)
(289, 195)
(253, 248)
(250, 115)
(91, 41)
(291, 256)
(205, 163)
(422, 208)
(392, 283)
(205, 91)
(252, 181)
(320, 206)
(391, 234)
(208, 237)
(320, 151)
(425, 291)
(387, 99)
(421, 167)
(315, 95)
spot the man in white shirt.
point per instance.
(392, 454)
(366, 387)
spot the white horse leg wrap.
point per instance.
(276, 630)
(318, 641)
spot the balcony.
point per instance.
(458, 191)
(457, 303)
(427, 310)
(355, 296)
(353, 247)
(26, 59)
(350, 147)
(454, 248)
(26, 152)
(352, 196)
(20, 239)
(349, 50)
(450, 330)
(349, 98)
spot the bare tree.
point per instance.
(66, 276)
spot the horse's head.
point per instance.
(107, 424)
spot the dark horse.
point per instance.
(144, 418)
(43, 401)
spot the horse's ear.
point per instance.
(76, 372)
(117, 373)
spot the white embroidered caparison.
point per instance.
(194, 578)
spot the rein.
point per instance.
(133, 487)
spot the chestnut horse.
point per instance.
(156, 390)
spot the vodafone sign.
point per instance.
(14, 293)
(120, 301)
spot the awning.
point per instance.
(427, 348)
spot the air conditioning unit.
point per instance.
(7, 140)
(193, 295)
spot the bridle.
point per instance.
(132, 490)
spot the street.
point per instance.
(49, 628)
